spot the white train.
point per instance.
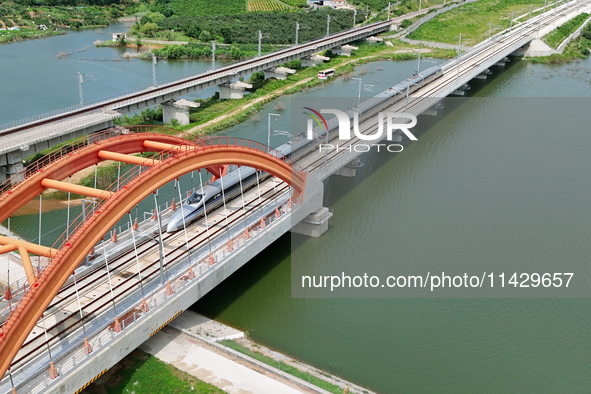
(211, 194)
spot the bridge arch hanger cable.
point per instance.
(172, 162)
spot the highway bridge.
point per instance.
(94, 297)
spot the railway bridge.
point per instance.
(102, 290)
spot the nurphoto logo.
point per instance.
(344, 122)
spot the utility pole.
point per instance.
(530, 10)
(81, 80)
(389, 10)
(80, 94)
(354, 17)
(260, 38)
(154, 62)
(490, 29)
(420, 4)
(213, 55)
(269, 131)
(511, 26)
(419, 63)
(327, 25)
(297, 30)
(459, 59)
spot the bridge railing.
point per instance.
(39, 117)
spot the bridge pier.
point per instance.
(350, 170)
(484, 74)
(278, 72)
(345, 50)
(313, 60)
(315, 224)
(177, 109)
(233, 90)
(461, 91)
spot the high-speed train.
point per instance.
(211, 194)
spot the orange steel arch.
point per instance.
(80, 159)
(181, 160)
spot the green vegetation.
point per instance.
(296, 3)
(19, 35)
(573, 51)
(30, 16)
(555, 38)
(207, 7)
(194, 50)
(141, 373)
(284, 367)
(473, 21)
(266, 5)
(404, 7)
(244, 28)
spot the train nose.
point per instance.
(172, 225)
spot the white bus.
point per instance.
(325, 73)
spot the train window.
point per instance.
(195, 198)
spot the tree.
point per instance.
(205, 36)
(168, 35)
(405, 23)
(235, 52)
(149, 29)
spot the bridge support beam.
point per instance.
(177, 109)
(350, 170)
(345, 50)
(315, 224)
(278, 73)
(233, 90)
(313, 60)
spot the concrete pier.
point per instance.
(233, 90)
(350, 170)
(314, 60)
(278, 72)
(177, 109)
(315, 224)
(345, 50)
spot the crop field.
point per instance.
(208, 7)
(295, 3)
(266, 5)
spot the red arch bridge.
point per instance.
(97, 280)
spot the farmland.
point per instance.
(266, 5)
(207, 7)
(295, 3)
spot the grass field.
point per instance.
(141, 373)
(473, 21)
